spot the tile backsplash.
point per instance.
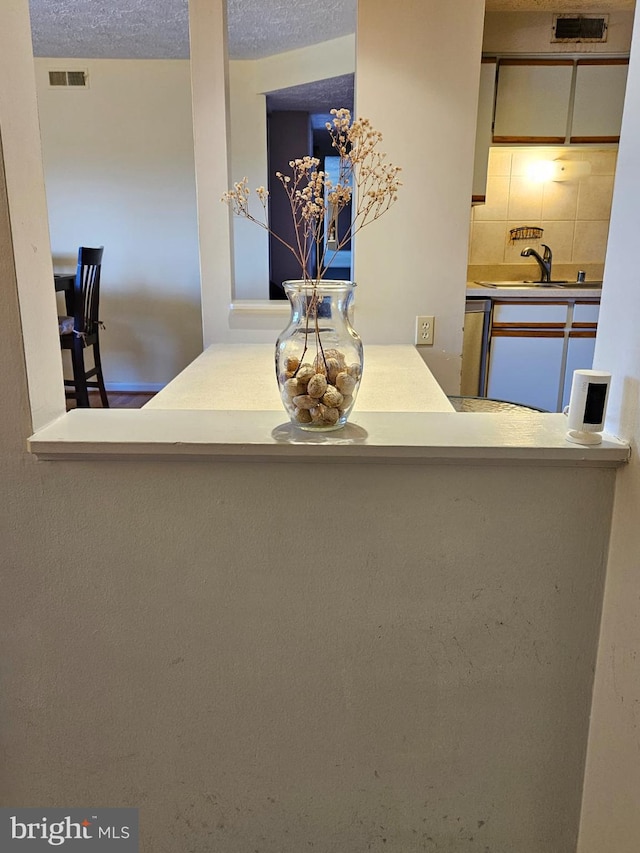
(573, 213)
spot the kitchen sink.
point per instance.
(559, 283)
(520, 283)
(580, 284)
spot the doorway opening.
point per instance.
(296, 127)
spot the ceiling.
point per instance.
(317, 97)
(159, 29)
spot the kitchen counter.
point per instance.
(225, 406)
(242, 377)
(535, 291)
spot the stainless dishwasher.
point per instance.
(475, 348)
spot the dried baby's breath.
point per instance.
(366, 177)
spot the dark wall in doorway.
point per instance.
(288, 137)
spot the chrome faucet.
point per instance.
(544, 262)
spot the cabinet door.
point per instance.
(527, 314)
(580, 347)
(585, 314)
(473, 352)
(526, 368)
(532, 100)
(599, 100)
(483, 129)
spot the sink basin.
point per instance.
(581, 284)
(519, 283)
(560, 283)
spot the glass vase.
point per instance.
(319, 355)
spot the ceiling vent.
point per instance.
(76, 79)
(580, 28)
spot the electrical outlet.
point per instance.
(424, 330)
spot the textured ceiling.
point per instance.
(158, 29)
(260, 28)
(110, 29)
(319, 97)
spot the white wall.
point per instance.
(610, 818)
(119, 172)
(531, 32)
(422, 95)
(30, 268)
(248, 115)
(211, 142)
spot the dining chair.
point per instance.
(81, 328)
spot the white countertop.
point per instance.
(415, 437)
(556, 294)
(242, 377)
(225, 406)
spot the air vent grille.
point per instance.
(57, 78)
(580, 28)
(68, 78)
(76, 78)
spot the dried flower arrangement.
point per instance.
(319, 392)
(365, 176)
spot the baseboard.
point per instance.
(134, 387)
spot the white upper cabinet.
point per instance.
(550, 101)
(532, 100)
(599, 99)
(483, 128)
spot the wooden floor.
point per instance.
(117, 400)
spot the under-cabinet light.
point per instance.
(541, 171)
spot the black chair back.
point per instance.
(86, 295)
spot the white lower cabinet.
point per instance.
(534, 349)
(526, 369)
(579, 357)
